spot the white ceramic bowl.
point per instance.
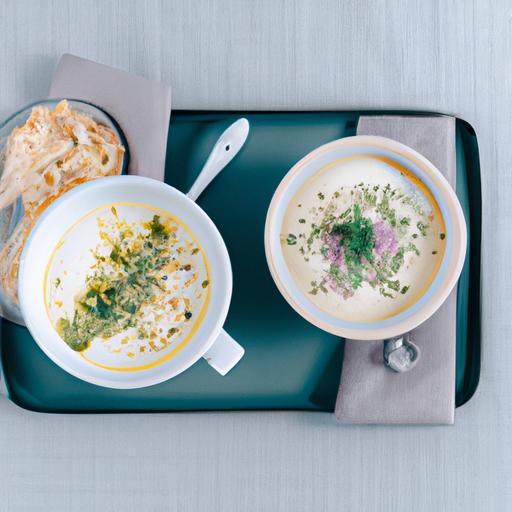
(451, 264)
(67, 211)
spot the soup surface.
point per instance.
(127, 286)
(363, 239)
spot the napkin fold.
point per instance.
(141, 107)
(369, 392)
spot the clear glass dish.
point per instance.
(11, 215)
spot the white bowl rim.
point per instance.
(169, 368)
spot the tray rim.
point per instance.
(475, 248)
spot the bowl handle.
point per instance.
(400, 353)
(224, 354)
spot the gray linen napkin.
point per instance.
(141, 107)
(369, 392)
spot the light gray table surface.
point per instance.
(451, 56)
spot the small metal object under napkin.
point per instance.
(370, 392)
(141, 107)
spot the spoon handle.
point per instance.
(225, 351)
(228, 145)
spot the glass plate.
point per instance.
(11, 215)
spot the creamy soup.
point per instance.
(127, 286)
(363, 239)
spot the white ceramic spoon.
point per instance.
(225, 352)
(226, 147)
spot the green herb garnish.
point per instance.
(422, 228)
(384, 293)
(291, 239)
(394, 285)
(113, 298)
(157, 228)
(356, 237)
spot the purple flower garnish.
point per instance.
(334, 250)
(385, 238)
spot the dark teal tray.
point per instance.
(289, 364)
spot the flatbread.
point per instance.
(54, 151)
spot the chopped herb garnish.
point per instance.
(367, 242)
(291, 239)
(121, 283)
(384, 293)
(442, 236)
(422, 228)
(114, 255)
(356, 237)
(157, 228)
(346, 212)
(394, 285)
(410, 247)
(205, 283)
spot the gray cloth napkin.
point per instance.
(369, 392)
(141, 107)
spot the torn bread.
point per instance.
(54, 151)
